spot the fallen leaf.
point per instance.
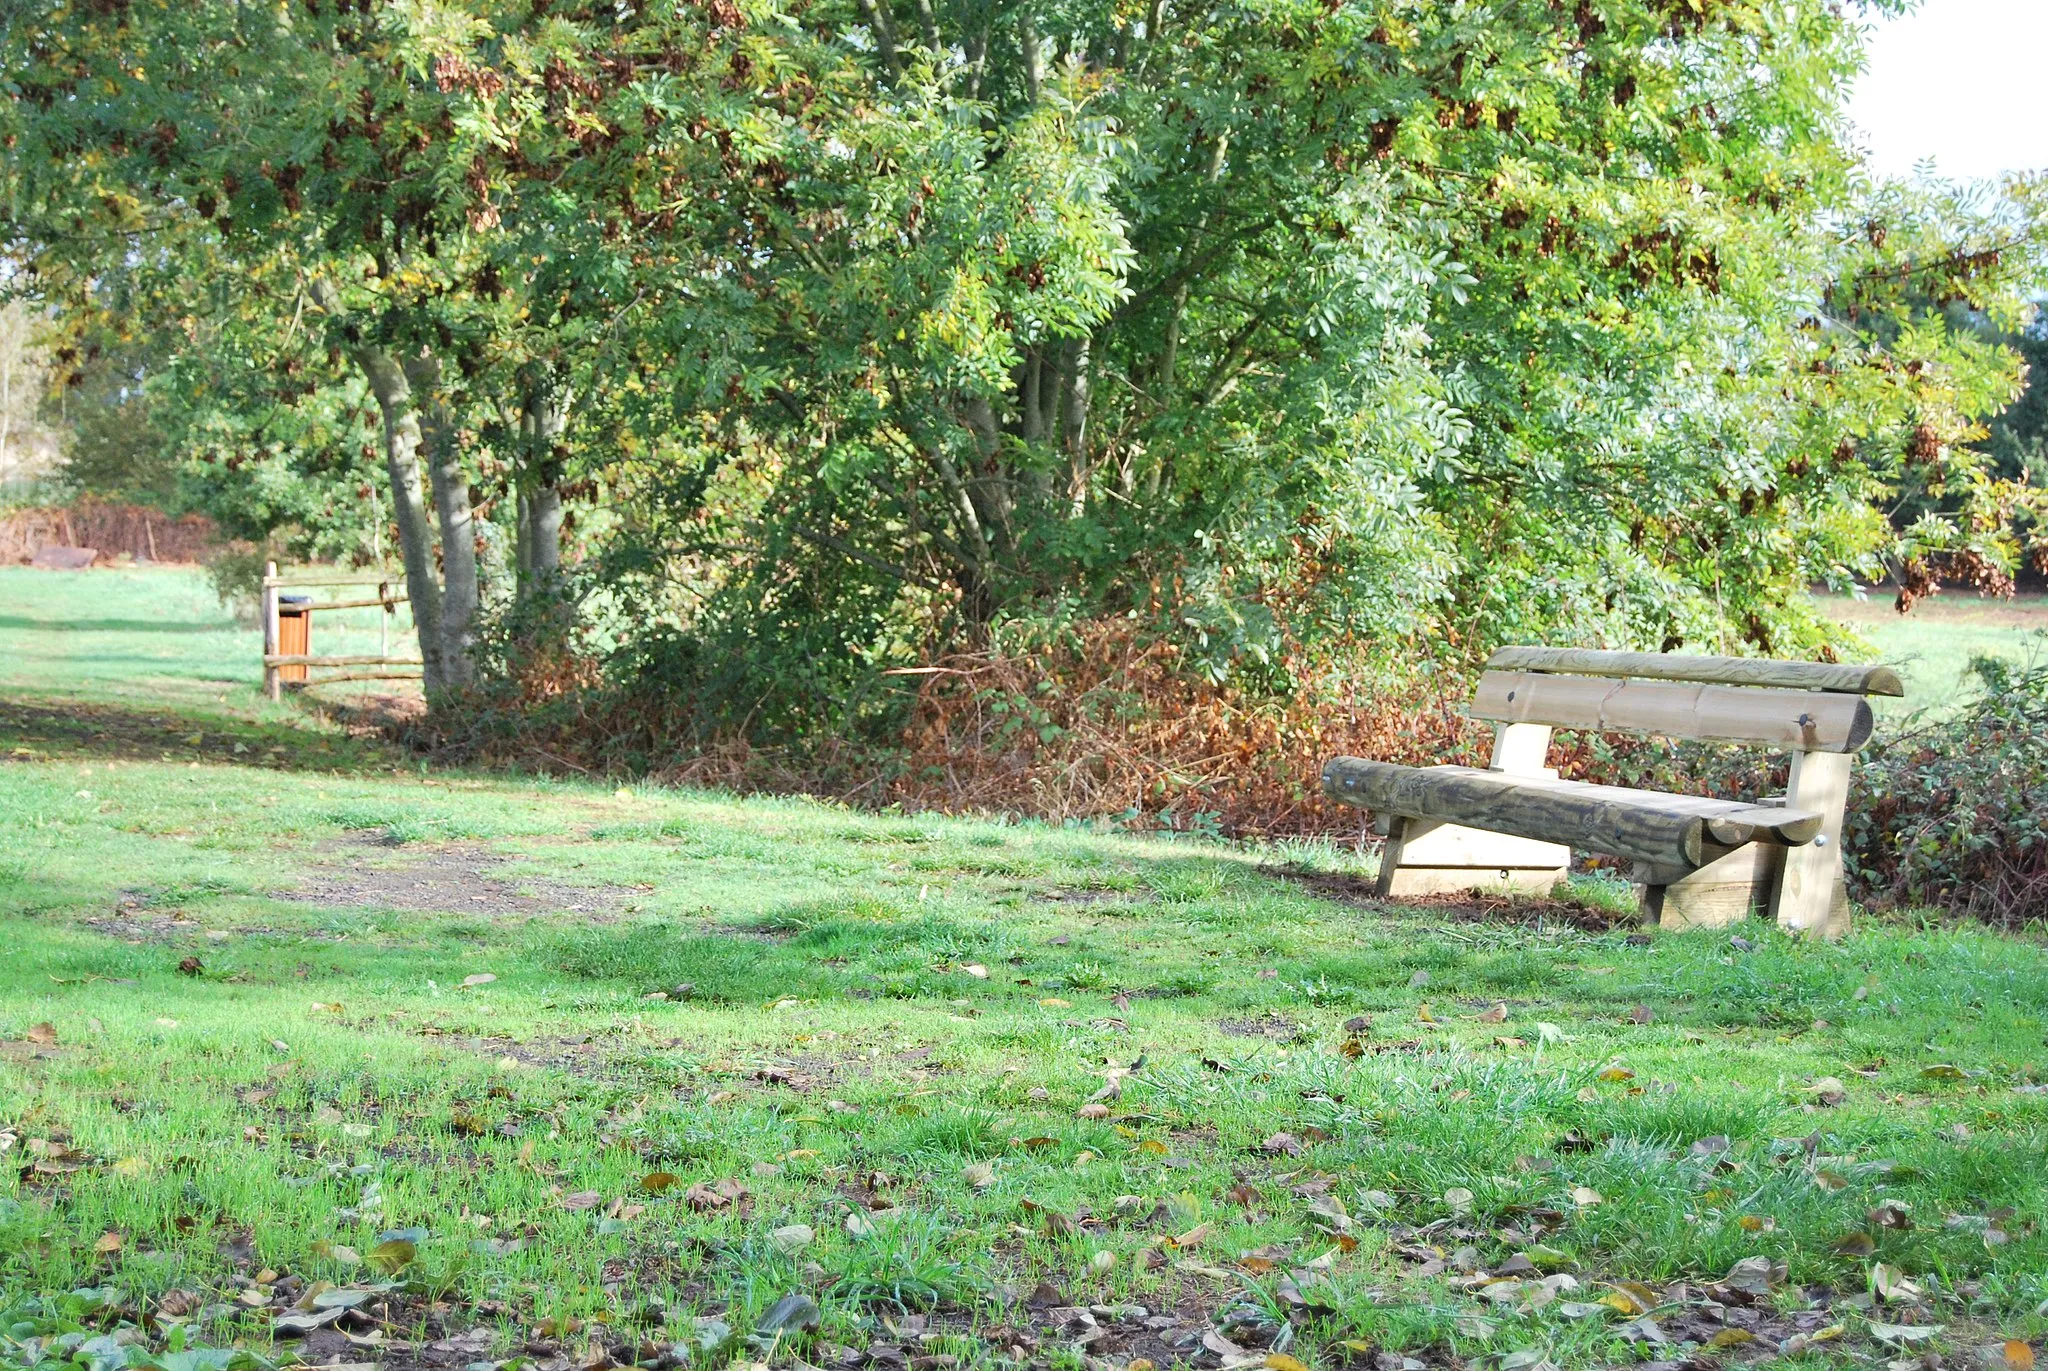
(976, 970)
(1459, 1199)
(1890, 1283)
(1755, 1276)
(1586, 1196)
(392, 1255)
(791, 1239)
(1613, 1075)
(790, 1314)
(1731, 1337)
(1828, 1091)
(480, 978)
(1642, 1014)
(654, 1182)
(706, 1196)
(302, 1322)
(1942, 1071)
(1054, 1002)
(191, 966)
(1093, 1111)
(2017, 1355)
(582, 1199)
(1282, 1144)
(109, 1243)
(1903, 1333)
(43, 1034)
(979, 1175)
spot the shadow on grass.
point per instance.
(1471, 907)
(113, 732)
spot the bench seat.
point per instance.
(1646, 826)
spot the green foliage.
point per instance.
(1296, 332)
(1953, 814)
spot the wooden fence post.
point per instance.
(272, 684)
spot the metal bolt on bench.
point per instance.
(1698, 861)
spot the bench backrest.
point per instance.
(1805, 706)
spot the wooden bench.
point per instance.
(1696, 861)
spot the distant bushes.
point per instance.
(1093, 719)
(142, 533)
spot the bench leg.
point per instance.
(1811, 896)
(1722, 892)
(1430, 857)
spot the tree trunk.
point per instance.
(415, 533)
(457, 631)
(543, 419)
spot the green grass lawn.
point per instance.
(1934, 645)
(313, 1051)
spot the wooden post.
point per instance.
(1811, 895)
(272, 684)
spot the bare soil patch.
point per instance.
(457, 879)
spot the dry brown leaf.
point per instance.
(706, 1196)
(2017, 1355)
(43, 1034)
(582, 1199)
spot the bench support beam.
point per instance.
(1811, 896)
(1431, 857)
(1723, 891)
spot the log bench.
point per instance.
(1697, 861)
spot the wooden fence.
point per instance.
(282, 667)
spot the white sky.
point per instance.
(1964, 82)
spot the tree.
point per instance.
(1292, 328)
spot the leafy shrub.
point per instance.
(1953, 813)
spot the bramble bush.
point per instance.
(1953, 813)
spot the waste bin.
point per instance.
(294, 634)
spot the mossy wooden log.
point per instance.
(1735, 671)
(1667, 830)
(1807, 720)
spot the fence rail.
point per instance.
(275, 661)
